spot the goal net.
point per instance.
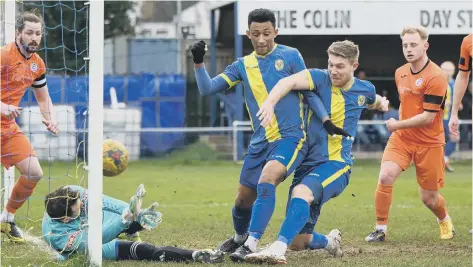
(65, 50)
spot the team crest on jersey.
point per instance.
(361, 100)
(34, 67)
(72, 239)
(279, 64)
(418, 82)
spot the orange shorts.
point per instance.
(429, 161)
(15, 145)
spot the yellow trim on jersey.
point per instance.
(230, 83)
(308, 117)
(301, 111)
(448, 103)
(336, 175)
(257, 86)
(249, 115)
(301, 142)
(294, 156)
(337, 115)
(311, 82)
(267, 54)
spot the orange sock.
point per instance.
(440, 209)
(382, 202)
(22, 190)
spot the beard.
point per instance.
(30, 47)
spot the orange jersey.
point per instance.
(419, 92)
(17, 73)
(464, 64)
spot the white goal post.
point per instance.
(94, 117)
(95, 136)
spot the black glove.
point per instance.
(198, 52)
(332, 129)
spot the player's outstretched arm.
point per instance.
(47, 109)
(461, 83)
(206, 85)
(298, 81)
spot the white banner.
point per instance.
(366, 17)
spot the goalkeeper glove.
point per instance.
(333, 130)
(198, 52)
(150, 218)
(134, 207)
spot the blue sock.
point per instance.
(262, 209)
(450, 148)
(318, 241)
(241, 219)
(296, 217)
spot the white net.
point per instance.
(63, 48)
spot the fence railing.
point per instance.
(229, 142)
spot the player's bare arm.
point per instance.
(461, 83)
(10, 111)
(420, 120)
(47, 109)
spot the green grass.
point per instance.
(196, 195)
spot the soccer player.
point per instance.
(417, 137)
(64, 227)
(461, 83)
(20, 68)
(326, 169)
(274, 152)
(451, 141)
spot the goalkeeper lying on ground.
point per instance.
(65, 228)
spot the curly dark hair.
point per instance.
(59, 203)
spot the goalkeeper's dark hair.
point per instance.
(262, 15)
(58, 204)
(30, 16)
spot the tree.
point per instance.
(65, 41)
(117, 21)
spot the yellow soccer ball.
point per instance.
(115, 158)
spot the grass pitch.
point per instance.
(196, 195)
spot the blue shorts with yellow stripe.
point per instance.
(288, 151)
(334, 177)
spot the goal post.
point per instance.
(95, 131)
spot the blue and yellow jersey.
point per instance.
(259, 75)
(344, 106)
(448, 100)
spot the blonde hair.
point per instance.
(346, 49)
(415, 29)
